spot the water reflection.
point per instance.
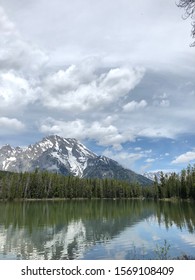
(88, 229)
(180, 214)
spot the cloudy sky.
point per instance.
(117, 75)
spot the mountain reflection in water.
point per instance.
(94, 229)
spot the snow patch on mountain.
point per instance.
(66, 156)
(68, 152)
(151, 175)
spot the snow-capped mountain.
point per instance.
(151, 175)
(65, 156)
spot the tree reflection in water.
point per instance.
(67, 229)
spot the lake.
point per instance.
(96, 229)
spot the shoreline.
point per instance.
(173, 199)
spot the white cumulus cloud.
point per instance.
(185, 158)
(127, 159)
(15, 52)
(103, 134)
(133, 105)
(10, 126)
(149, 160)
(80, 90)
(15, 91)
(6, 26)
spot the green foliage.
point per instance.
(175, 186)
(42, 184)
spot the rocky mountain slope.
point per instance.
(65, 156)
(151, 175)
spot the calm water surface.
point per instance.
(96, 229)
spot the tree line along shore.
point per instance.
(46, 185)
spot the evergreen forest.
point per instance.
(45, 185)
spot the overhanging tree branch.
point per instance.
(189, 6)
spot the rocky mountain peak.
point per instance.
(67, 156)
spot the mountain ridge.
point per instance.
(66, 156)
(157, 174)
